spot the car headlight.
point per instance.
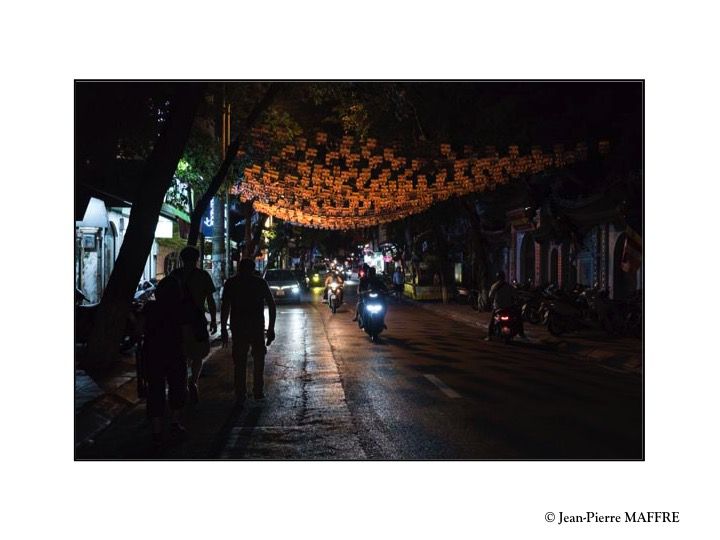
(374, 308)
(295, 290)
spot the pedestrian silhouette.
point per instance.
(197, 289)
(165, 362)
(243, 300)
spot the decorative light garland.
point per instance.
(347, 187)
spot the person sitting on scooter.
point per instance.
(333, 277)
(363, 286)
(502, 297)
(370, 283)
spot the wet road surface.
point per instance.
(431, 389)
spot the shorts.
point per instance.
(192, 348)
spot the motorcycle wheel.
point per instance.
(554, 327)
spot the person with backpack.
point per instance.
(164, 359)
(197, 290)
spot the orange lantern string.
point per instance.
(339, 192)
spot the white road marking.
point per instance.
(449, 392)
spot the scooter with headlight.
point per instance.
(371, 316)
(334, 295)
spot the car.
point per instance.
(284, 285)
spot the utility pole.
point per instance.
(226, 217)
(220, 201)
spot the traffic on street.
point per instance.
(429, 388)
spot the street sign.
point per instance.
(208, 219)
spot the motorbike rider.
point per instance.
(502, 297)
(371, 283)
(336, 277)
(362, 287)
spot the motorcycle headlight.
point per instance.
(333, 286)
(316, 277)
(373, 295)
(374, 308)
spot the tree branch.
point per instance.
(230, 156)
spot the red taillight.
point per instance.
(504, 318)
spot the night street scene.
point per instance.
(358, 270)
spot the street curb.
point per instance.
(97, 415)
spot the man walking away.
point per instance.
(197, 289)
(243, 299)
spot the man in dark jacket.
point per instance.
(243, 300)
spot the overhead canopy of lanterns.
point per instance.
(349, 184)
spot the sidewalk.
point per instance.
(115, 413)
(614, 353)
(101, 398)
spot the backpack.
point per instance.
(190, 314)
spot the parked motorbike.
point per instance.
(145, 291)
(85, 315)
(371, 316)
(532, 304)
(566, 314)
(334, 295)
(506, 324)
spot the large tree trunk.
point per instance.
(247, 245)
(230, 155)
(480, 266)
(443, 254)
(480, 260)
(257, 234)
(156, 178)
(218, 247)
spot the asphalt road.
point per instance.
(431, 389)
